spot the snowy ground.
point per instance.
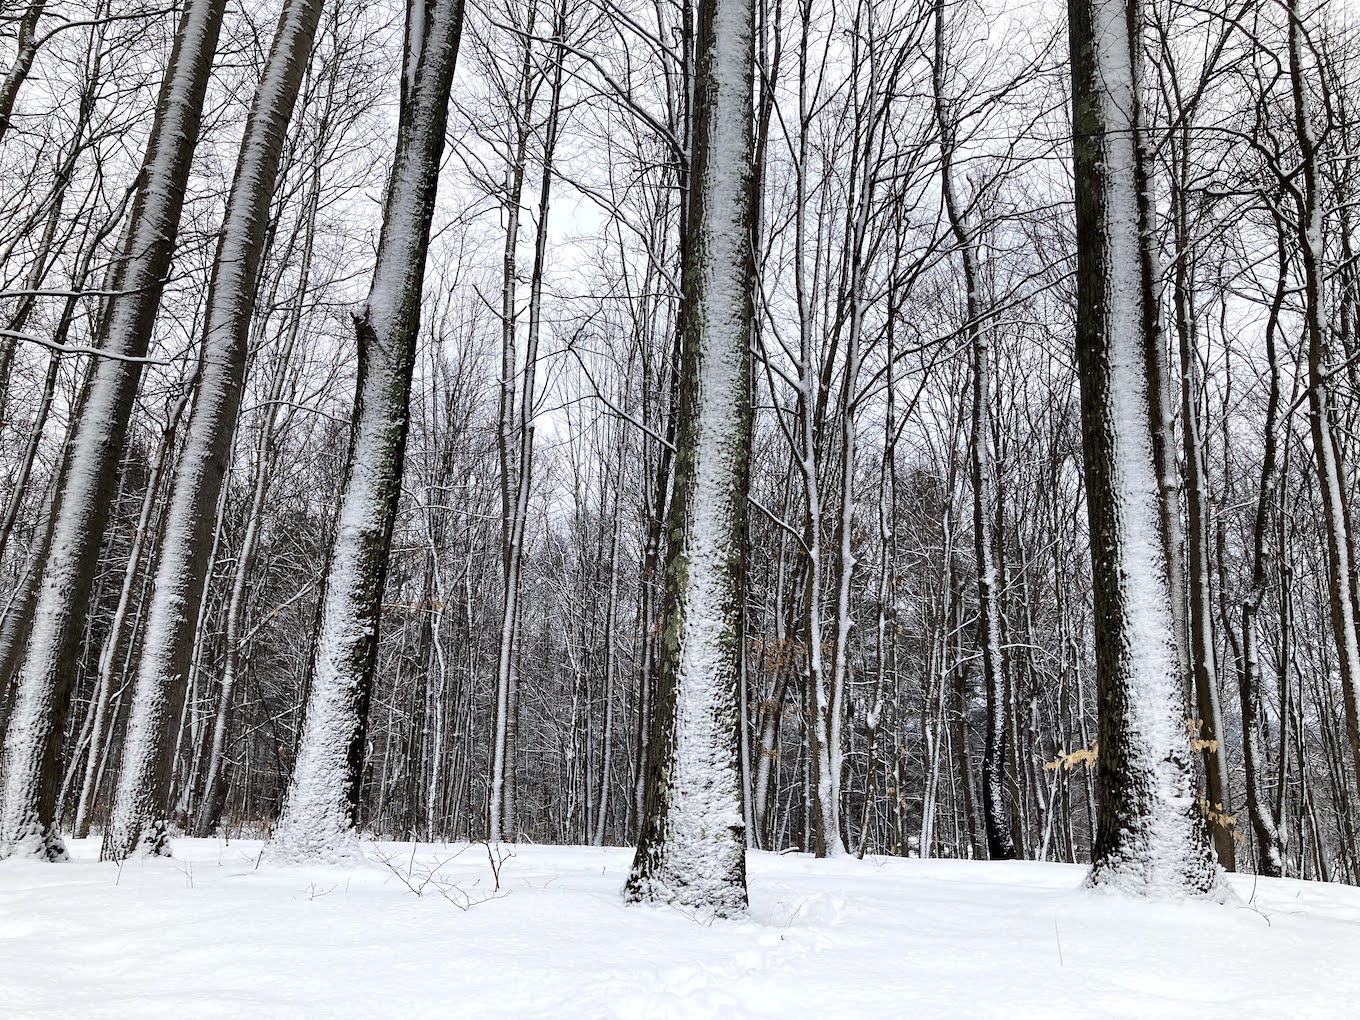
(211, 933)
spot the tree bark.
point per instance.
(693, 847)
(321, 810)
(1149, 837)
(1343, 576)
(141, 800)
(996, 810)
(32, 773)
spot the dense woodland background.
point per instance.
(904, 151)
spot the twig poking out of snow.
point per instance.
(428, 876)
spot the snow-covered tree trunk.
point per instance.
(516, 433)
(1150, 837)
(692, 850)
(1202, 644)
(26, 45)
(996, 810)
(215, 785)
(17, 620)
(511, 447)
(140, 803)
(32, 772)
(94, 730)
(319, 814)
(1343, 575)
(610, 663)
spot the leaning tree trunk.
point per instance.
(996, 812)
(32, 773)
(320, 812)
(1149, 835)
(17, 620)
(26, 43)
(141, 801)
(692, 850)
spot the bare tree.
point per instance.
(1150, 837)
(692, 850)
(320, 813)
(32, 772)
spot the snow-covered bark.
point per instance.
(162, 674)
(88, 474)
(511, 446)
(18, 620)
(26, 43)
(318, 819)
(94, 731)
(1343, 575)
(692, 850)
(214, 784)
(515, 435)
(610, 659)
(824, 755)
(1150, 836)
(996, 810)
(1202, 643)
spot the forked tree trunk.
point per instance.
(141, 802)
(32, 772)
(1149, 835)
(692, 850)
(321, 809)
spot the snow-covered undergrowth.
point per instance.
(211, 932)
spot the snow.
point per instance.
(211, 933)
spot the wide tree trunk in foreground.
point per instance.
(319, 815)
(140, 804)
(1149, 835)
(692, 851)
(32, 769)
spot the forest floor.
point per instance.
(216, 932)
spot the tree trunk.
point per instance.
(1149, 835)
(321, 810)
(26, 48)
(141, 801)
(1342, 576)
(995, 809)
(693, 847)
(32, 773)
